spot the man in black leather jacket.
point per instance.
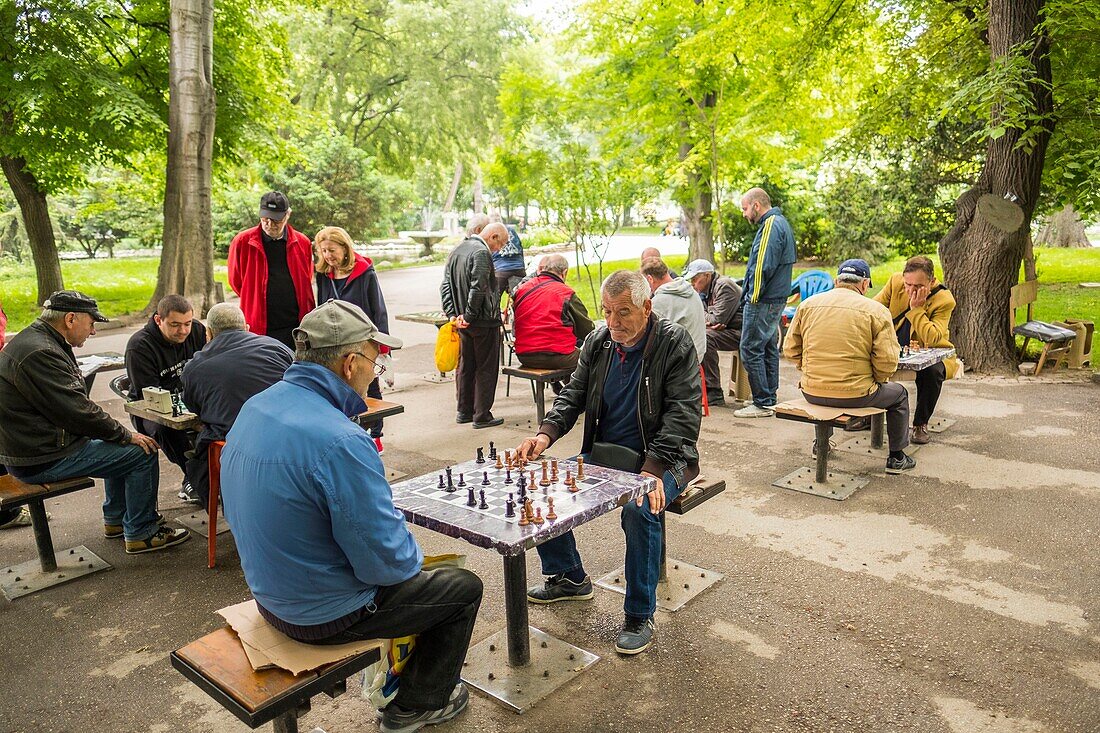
(470, 299)
(637, 384)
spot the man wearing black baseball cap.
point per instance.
(271, 268)
(844, 345)
(50, 430)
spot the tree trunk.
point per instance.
(1063, 230)
(479, 201)
(187, 260)
(36, 221)
(981, 263)
(455, 180)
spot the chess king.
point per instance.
(637, 366)
(921, 309)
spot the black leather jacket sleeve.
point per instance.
(48, 382)
(676, 426)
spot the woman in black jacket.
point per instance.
(344, 274)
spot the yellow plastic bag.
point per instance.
(446, 348)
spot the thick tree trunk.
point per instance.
(695, 201)
(187, 260)
(1064, 229)
(479, 201)
(39, 227)
(981, 263)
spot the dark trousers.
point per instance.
(724, 340)
(197, 472)
(892, 397)
(375, 391)
(440, 607)
(549, 360)
(505, 280)
(929, 384)
(174, 443)
(283, 336)
(478, 369)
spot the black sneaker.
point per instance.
(187, 493)
(114, 531)
(164, 538)
(490, 423)
(897, 465)
(560, 588)
(857, 423)
(396, 719)
(636, 636)
(463, 419)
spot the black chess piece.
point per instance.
(492, 451)
(461, 480)
(481, 455)
(441, 484)
(485, 478)
(508, 476)
(484, 504)
(510, 507)
(470, 500)
(522, 490)
(450, 480)
(521, 482)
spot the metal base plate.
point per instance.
(553, 663)
(196, 522)
(684, 582)
(27, 577)
(939, 424)
(862, 446)
(839, 485)
(392, 474)
(437, 378)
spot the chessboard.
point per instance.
(499, 486)
(917, 357)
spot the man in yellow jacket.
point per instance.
(844, 345)
(921, 310)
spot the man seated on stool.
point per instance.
(675, 300)
(326, 554)
(155, 357)
(921, 309)
(550, 320)
(637, 383)
(722, 298)
(50, 430)
(844, 345)
(229, 370)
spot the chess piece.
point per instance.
(508, 459)
(531, 481)
(521, 482)
(441, 484)
(573, 485)
(528, 511)
(522, 492)
(481, 455)
(580, 469)
(554, 471)
(500, 464)
(485, 478)
(492, 451)
(508, 476)
(461, 480)
(538, 516)
(545, 475)
(510, 507)
(523, 522)
(550, 513)
(470, 500)
(484, 504)
(450, 480)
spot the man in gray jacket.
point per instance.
(722, 300)
(675, 300)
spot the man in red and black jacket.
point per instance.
(550, 320)
(271, 268)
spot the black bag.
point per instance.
(619, 457)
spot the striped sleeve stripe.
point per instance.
(758, 276)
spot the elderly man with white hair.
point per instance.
(637, 384)
(550, 320)
(219, 379)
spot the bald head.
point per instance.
(476, 223)
(495, 235)
(555, 264)
(755, 203)
(649, 252)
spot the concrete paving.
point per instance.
(962, 598)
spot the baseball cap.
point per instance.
(854, 267)
(74, 301)
(337, 323)
(274, 205)
(697, 267)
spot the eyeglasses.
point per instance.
(379, 370)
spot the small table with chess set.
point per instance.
(167, 410)
(499, 502)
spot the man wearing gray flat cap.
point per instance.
(328, 557)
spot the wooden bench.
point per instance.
(218, 665)
(539, 379)
(23, 579)
(828, 484)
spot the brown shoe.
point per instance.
(920, 435)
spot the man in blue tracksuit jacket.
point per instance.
(767, 287)
(326, 554)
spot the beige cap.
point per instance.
(338, 323)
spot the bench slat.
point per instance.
(545, 375)
(14, 492)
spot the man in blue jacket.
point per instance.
(326, 554)
(767, 287)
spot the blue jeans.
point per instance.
(643, 553)
(131, 481)
(760, 350)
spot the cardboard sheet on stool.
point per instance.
(266, 646)
(820, 412)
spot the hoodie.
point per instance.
(154, 361)
(678, 302)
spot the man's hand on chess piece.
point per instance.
(656, 496)
(532, 448)
(460, 322)
(918, 296)
(144, 442)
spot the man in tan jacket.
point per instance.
(921, 311)
(845, 347)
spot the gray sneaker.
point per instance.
(396, 719)
(895, 466)
(187, 493)
(559, 588)
(754, 411)
(636, 636)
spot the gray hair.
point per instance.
(327, 356)
(51, 316)
(849, 277)
(225, 317)
(555, 264)
(623, 281)
(476, 223)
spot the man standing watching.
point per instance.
(637, 384)
(50, 430)
(326, 554)
(155, 357)
(675, 300)
(550, 320)
(921, 309)
(767, 287)
(844, 345)
(271, 268)
(722, 298)
(229, 370)
(470, 299)
(508, 262)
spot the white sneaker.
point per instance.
(754, 411)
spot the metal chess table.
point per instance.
(917, 359)
(517, 679)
